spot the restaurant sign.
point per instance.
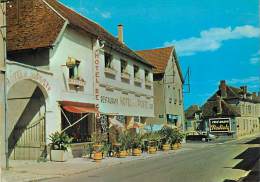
(220, 125)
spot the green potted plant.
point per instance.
(136, 142)
(123, 139)
(180, 136)
(98, 139)
(59, 146)
(166, 133)
(153, 139)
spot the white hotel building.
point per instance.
(63, 68)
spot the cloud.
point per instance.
(103, 14)
(248, 80)
(255, 58)
(212, 39)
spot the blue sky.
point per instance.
(218, 39)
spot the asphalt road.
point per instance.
(199, 162)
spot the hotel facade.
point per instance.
(67, 73)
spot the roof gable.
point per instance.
(159, 58)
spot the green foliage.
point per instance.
(60, 141)
(136, 140)
(98, 138)
(125, 140)
(166, 135)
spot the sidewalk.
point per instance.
(35, 171)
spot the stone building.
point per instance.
(168, 86)
(232, 111)
(65, 69)
(193, 120)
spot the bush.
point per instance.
(60, 141)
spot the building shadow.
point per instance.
(250, 157)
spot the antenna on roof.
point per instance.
(186, 84)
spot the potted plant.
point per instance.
(124, 140)
(98, 140)
(166, 133)
(153, 138)
(180, 136)
(136, 142)
(59, 146)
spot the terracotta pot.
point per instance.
(178, 145)
(97, 156)
(152, 150)
(175, 146)
(166, 147)
(136, 152)
(122, 154)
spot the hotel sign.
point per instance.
(220, 125)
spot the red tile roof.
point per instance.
(157, 57)
(31, 24)
(47, 25)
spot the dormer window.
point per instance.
(108, 60)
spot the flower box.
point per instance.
(110, 71)
(76, 82)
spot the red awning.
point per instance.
(78, 107)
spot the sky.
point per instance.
(217, 39)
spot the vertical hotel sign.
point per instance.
(97, 77)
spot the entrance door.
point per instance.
(26, 116)
(31, 145)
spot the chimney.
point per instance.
(120, 33)
(244, 89)
(219, 107)
(223, 88)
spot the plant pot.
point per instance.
(59, 155)
(136, 152)
(166, 147)
(175, 146)
(152, 150)
(179, 145)
(97, 156)
(122, 154)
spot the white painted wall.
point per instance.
(135, 94)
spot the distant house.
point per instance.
(168, 86)
(232, 111)
(193, 118)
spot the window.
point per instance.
(108, 60)
(74, 70)
(249, 109)
(146, 74)
(123, 66)
(136, 71)
(180, 101)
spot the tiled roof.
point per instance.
(211, 109)
(31, 24)
(190, 112)
(44, 28)
(234, 93)
(157, 57)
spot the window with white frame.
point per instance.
(74, 70)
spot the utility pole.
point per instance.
(3, 100)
